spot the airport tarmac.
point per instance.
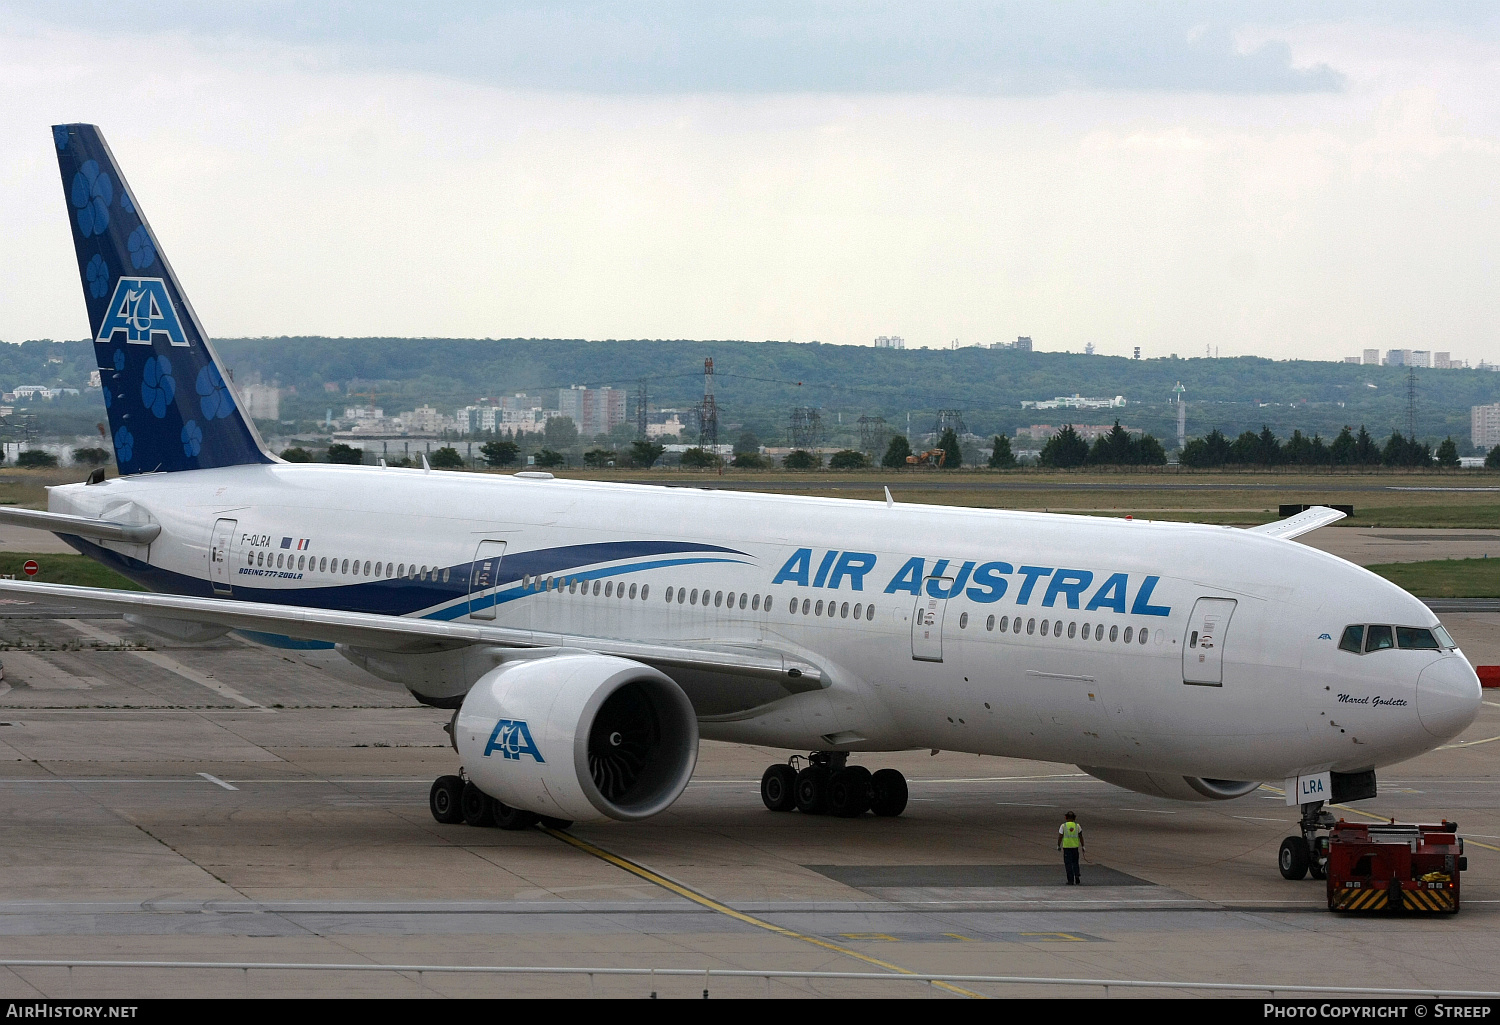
(230, 803)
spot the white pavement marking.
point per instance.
(92, 631)
(1467, 743)
(166, 662)
(171, 665)
(217, 781)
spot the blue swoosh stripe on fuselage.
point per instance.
(403, 596)
(501, 597)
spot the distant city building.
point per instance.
(593, 410)
(26, 391)
(1088, 348)
(1042, 433)
(261, 401)
(1023, 343)
(1442, 361)
(1418, 358)
(1395, 357)
(1074, 401)
(1351, 359)
(1372, 358)
(1484, 425)
(670, 428)
(890, 342)
(94, 381)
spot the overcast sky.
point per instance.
(1293, 179)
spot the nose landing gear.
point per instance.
(829, 785)
(1307, 854)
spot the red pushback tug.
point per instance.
(1394, 867)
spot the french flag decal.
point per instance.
(302, 544)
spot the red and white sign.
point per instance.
(31, 567)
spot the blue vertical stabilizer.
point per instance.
(170, 404)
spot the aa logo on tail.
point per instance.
(141, 309)
(512, 739)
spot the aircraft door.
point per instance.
(484, 579)
(927, 620)
(1203, 647)
(218, 555)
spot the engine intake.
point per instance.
(579, 736)
(1178, 788)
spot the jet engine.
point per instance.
(1178, 788)
(578, 736)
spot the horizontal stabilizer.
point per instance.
(1302, 523)
(81, 526)
(406, 633)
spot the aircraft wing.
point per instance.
(1296, 526)
(83, 526)
(409, 634)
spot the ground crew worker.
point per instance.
(1070, 842)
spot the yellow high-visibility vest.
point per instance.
(1072, 834)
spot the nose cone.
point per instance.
(1448, 697)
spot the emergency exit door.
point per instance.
(484, 579)
(218, 555)
(927, 620)
(1203, 647)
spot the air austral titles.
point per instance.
(588, 634)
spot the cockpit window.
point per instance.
(1415, 637)
(1353, 639)
(1443, 638)
(1379, 638)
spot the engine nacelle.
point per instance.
(1178, 788)
(578, 736)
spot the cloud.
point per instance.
(1036, 47)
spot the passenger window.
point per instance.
(609, 589)
(1379, 638)
(323, 565)
(693, 598)
(1114, 633)
(597, 588)
(818, 608)
(1128, 632)
(963, 621)
(367, 568)
(632, 592)
(1004, 623)
(401, 570)
(755, 603)
(1085, 632)
(346, 566)
(869, 612)
(768, 603)
(989, 624)
(1099, 632)
(669, 596)
(1044, 628)
(445, 572)
(718, 599)
(1353, 639)
(1141, 639)
(681, 595)
(844, 611)
(1072, 629)
(1415, 637)
(1030, 626)
(807, 604)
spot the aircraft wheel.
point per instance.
(442, 800)
(1317, 870)
(476, 805)
(507, 817)
(849, 792)
(888, 793)
(778, 787)
(812, 790)
(1292, 859)
(551, 823)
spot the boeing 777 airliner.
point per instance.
(588, 634)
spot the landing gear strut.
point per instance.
(828, 784)
(1307, 854)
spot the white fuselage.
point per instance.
(1274, 695)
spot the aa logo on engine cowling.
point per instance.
(512, 739)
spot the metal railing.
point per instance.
(710, 974)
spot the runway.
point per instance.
(231, 803)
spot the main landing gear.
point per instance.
(454, 799)
(828, 785)
(1307, 854)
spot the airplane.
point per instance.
(587, 635)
